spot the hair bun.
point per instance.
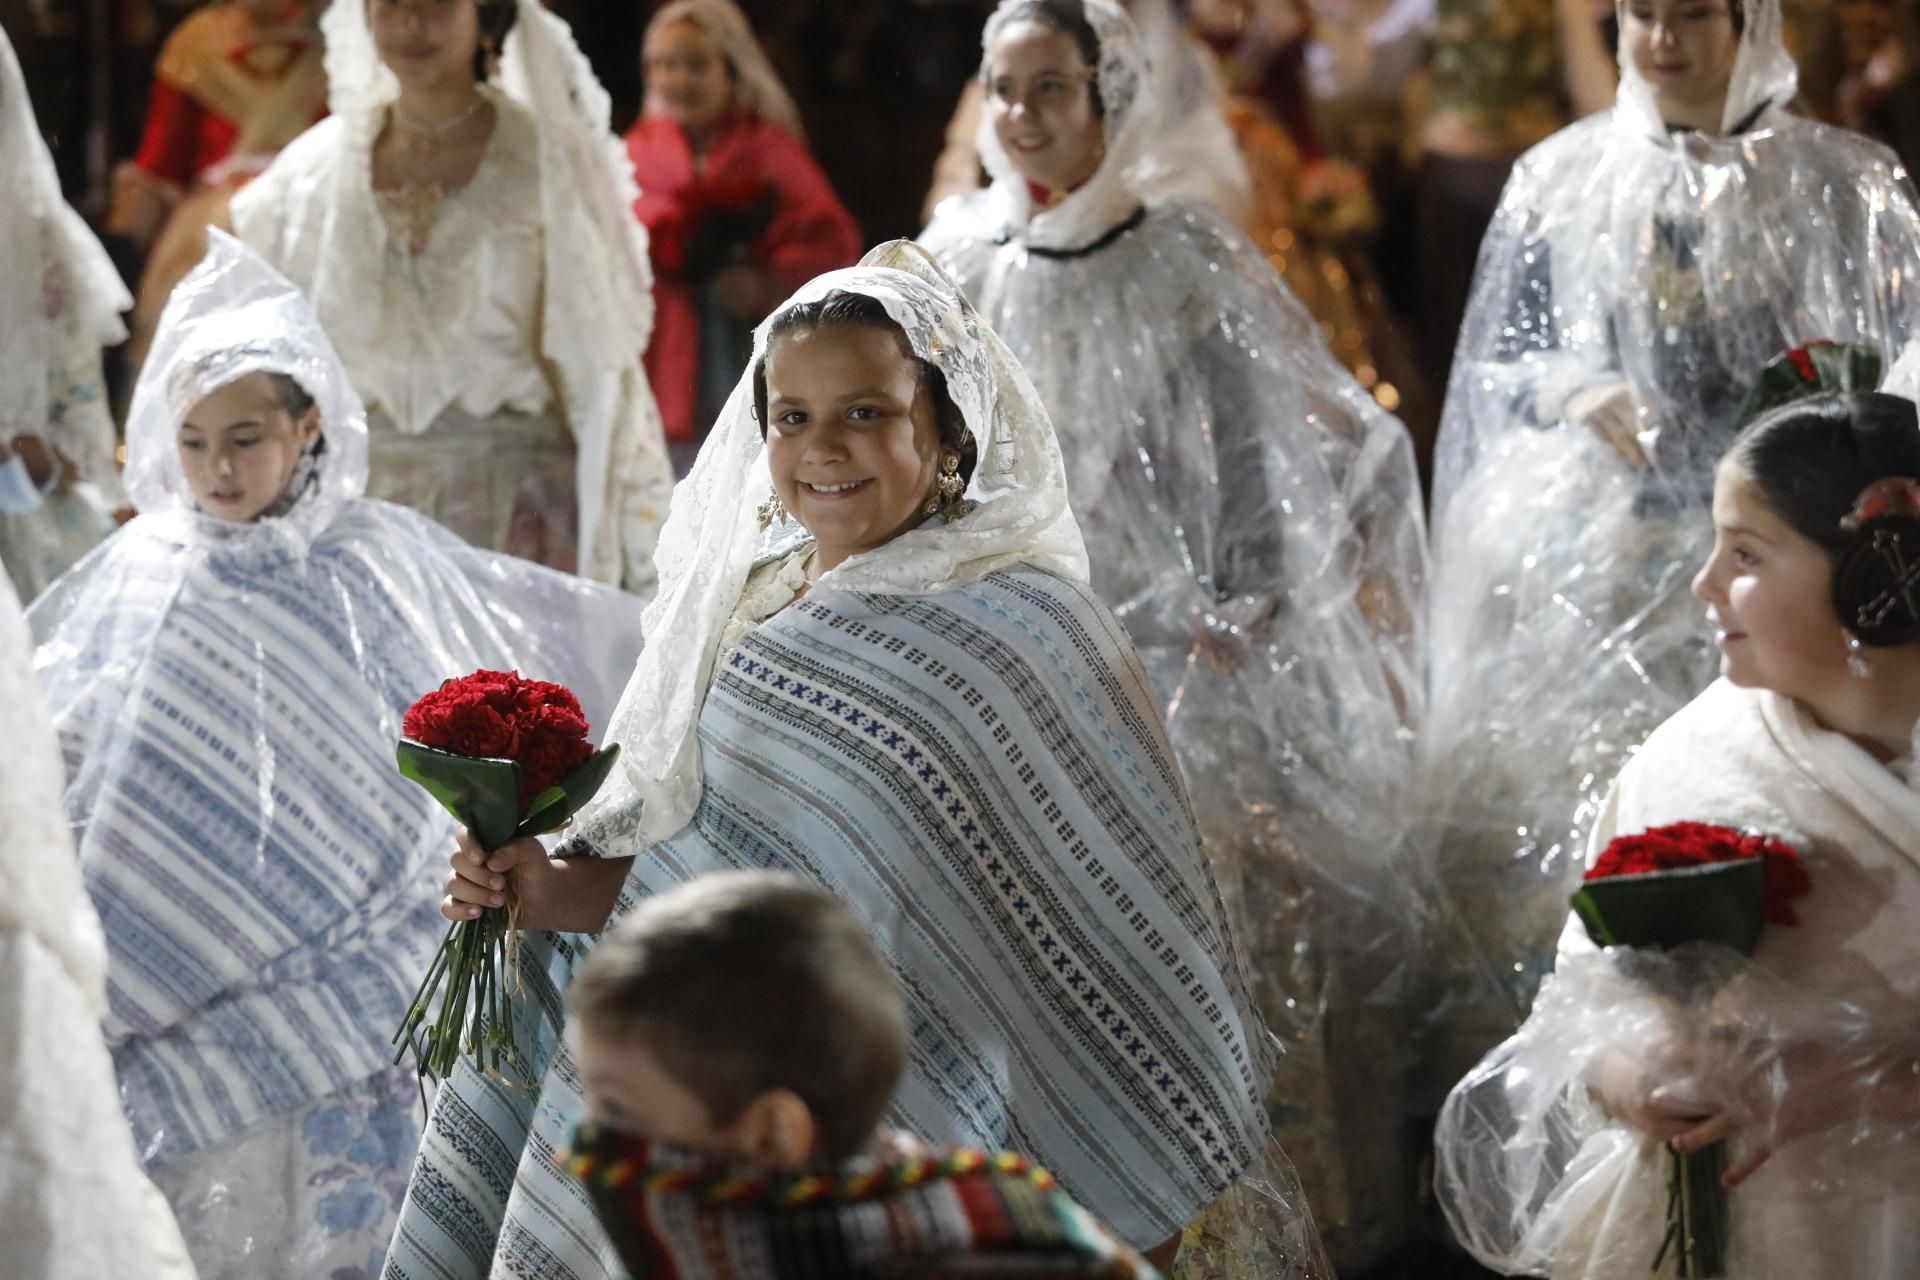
(1876, 580)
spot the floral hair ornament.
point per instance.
(1819, 368)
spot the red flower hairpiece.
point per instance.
(1893, 496)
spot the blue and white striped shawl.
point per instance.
(982, 774)
(266, 879)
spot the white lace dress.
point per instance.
(474, 421)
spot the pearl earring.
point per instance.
(1856, 665)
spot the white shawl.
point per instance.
(1835, 1204)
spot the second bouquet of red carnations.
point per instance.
(509, 758)
(1676, 886)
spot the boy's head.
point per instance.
(747, 1014)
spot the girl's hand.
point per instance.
(1653, 1092)
(1814, 1087)
(574, 895)
(1608, 410)
(480, 881)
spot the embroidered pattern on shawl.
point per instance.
(925, 758)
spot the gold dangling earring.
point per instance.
(771, 512)
(947, 489)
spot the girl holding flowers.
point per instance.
(1806, 1060)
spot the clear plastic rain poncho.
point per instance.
(60, 302)
(228, 697)
(1253, 517)
(1675, 265)
(1813, 1046)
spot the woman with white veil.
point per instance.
(60, 303)
(888, 675)
(467, 240)
(227, 676)
(1645, 266)
(1254, 518)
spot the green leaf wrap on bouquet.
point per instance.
(1718, 902)
(476, 963)
(1678, 886)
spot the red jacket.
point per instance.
(754, 172)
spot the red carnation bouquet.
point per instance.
(1692, 882)
(509, 758)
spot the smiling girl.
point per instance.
(887, 674)
(1646, 264)
(1811, 1067)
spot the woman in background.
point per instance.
(737, 213)
(463, 224)
(235, 82)
(1254, 518)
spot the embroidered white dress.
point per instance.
(495, 330)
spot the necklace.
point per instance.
(434, 131)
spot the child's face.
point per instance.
(1768, 592)
(627, 1089)
(238, 448)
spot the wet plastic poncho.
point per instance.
(1253, 517)
(1811, 1044)
(228, 697)
(60, 302)
(1678, 264)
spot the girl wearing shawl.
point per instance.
(1254, 518)
(1551, 1157)
(468, 242)
(60, 302)
(1645, 266)
(73, 1202)
(904, 692)
(737, 213)
(227, 676)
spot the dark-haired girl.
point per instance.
(463, 225)
(886, 674)
(1807, 1063)
(1645, 265)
